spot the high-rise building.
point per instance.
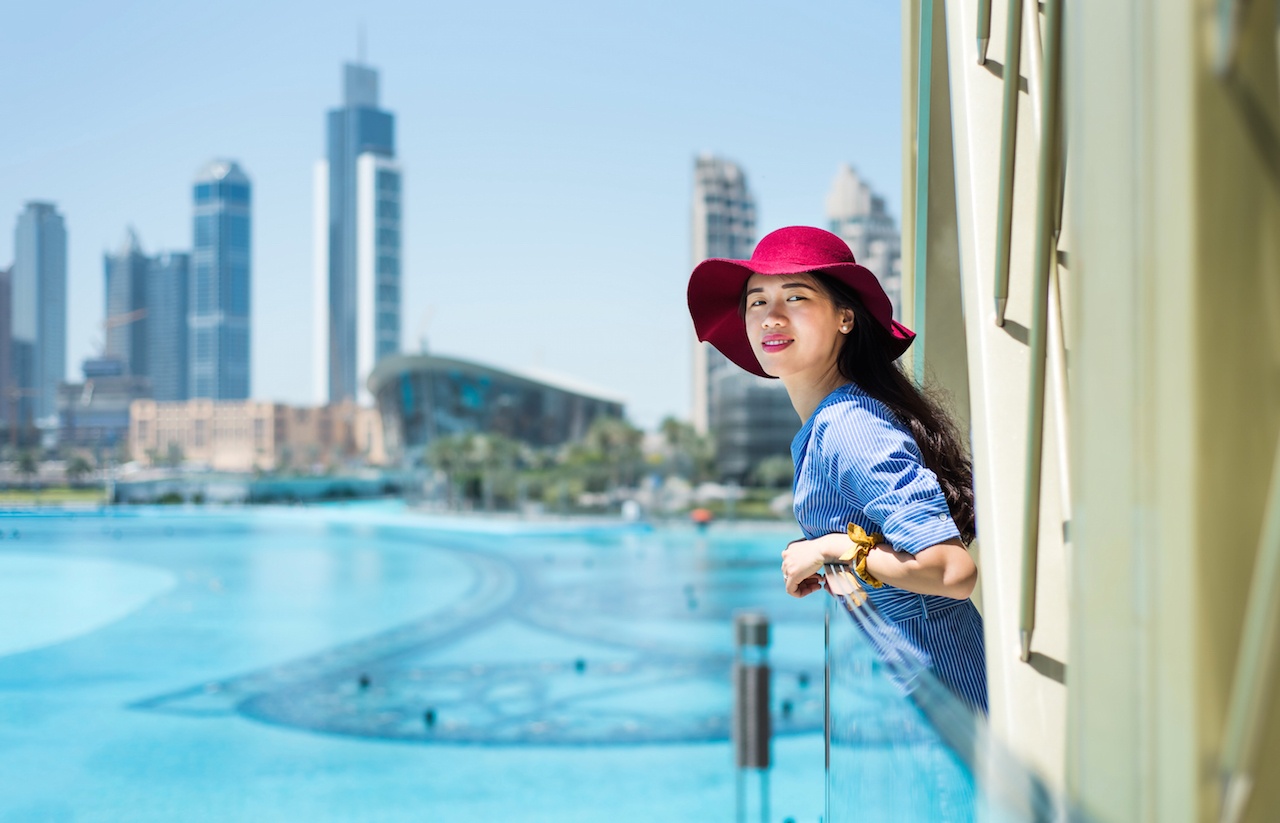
(357, 242)
(724, 225)
(6, 321)
(219, 290)
(39, 313)
(147, 327)
(858, 215)
(750, 418)
(168, 333)
(126, 298)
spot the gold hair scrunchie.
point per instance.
(856, 557)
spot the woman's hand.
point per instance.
(802, 559)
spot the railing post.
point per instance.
(751, 721)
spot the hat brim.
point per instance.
(715, 294)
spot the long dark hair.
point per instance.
(864, 359)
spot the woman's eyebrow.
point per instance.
(760, 289)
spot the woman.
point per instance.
(882, 479)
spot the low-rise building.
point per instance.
(94, 414)
(247, 435)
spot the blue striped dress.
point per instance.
(855, 463)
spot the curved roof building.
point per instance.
(422, 397)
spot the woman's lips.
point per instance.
(775, 343)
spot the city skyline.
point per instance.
(550, 155)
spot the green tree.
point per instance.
(774, 472)
(27, 465)
(689, 455)
(77, 469)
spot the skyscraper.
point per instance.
(858, 215)
(39, 306)
(749, 417)
(357, 242)
(220, 276)
(168, 332)
(126, 290)
(147, 327)
(6, 358)
(724, 225)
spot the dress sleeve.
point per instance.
(876, 466)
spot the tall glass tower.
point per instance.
(168, 335)
(39, 319)
(126, 290)
(219, 298)
(357, 242)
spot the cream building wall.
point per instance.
(243, 436)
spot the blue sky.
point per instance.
(547, 148)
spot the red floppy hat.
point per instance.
(715, 289)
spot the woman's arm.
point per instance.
(944, 569)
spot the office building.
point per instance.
(125, 273)
(357, 213)
(218, 332)
(750, 418)
(147, 316)
(168, 332)
(858, 215)
(6, 321)
(38, 295)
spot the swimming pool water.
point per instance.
(369, 663)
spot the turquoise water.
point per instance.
(366, 663)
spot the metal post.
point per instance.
(751, 726)
(826, 709)
(1046, 254)
(1008, 153)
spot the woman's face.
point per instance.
(793, 326)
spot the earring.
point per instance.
(844, 328)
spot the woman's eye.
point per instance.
(796, 297)
(755, 303)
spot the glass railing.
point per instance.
(901, 746)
